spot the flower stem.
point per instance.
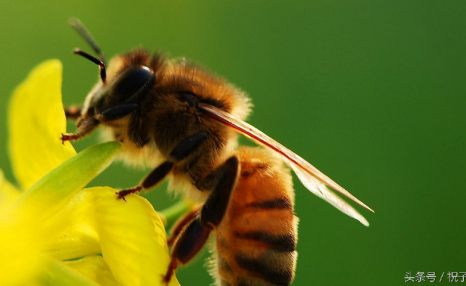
(171, 214)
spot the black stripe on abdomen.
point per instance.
(281, 242)
(224, 265)
(270, 268)
(280, 203)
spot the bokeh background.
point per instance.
(371, 92)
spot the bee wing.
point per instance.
(322, 191)
(313, 179)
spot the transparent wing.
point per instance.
(314, 180)
(320, 189)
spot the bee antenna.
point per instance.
(83, 32)
(101, 64)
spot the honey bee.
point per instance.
(184, 121)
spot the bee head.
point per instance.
(118, 93)
(124, 87)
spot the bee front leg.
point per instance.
(117, 112)
(180, 152)
(85, 124)
(195, 234)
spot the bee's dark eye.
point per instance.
(134, 80)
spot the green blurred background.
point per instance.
(371, 92)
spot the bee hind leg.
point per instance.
(188, 244)
(195, 234)
(181, 224)
(180, 152)
(226, 177)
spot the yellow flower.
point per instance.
(54, 232)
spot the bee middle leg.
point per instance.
(195, 234)
(180, 152)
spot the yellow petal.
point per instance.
(35, 122)
(133, 239)
(53, 191)
(8, 192)
(130, 235)
(20, 260)
(94, 268)
(71, 233)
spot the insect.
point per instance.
(184, 121)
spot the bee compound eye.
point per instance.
(135, 79)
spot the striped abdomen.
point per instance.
(256, 239)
